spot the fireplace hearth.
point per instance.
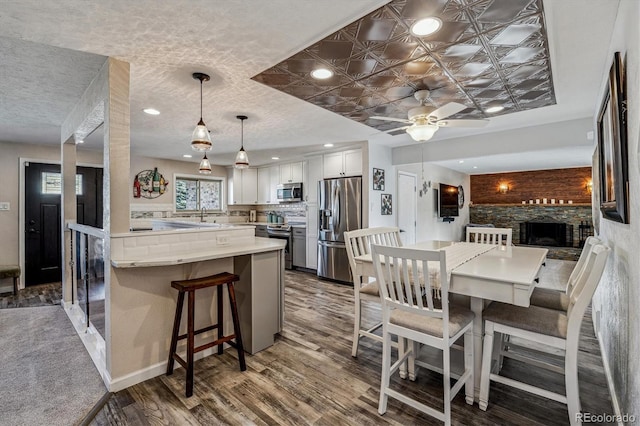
(546, 232)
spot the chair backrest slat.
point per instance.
(404, 279)
(586, 285)
(496, 236)
(589, 243)
(358, 242)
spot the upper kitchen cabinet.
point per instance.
(268, 180)
(291, 172)
(341, 164)
(244, 189)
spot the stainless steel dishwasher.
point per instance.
(299, 247)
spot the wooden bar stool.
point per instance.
(11, 271)
(191, 286)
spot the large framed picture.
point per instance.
(612, 146)
(378, 179)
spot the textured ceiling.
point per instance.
(52, 50)
(487, 53)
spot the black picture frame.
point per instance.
(378, 179)
(386, 204)
(612, 146)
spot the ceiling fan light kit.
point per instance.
(200, 139)
(424, 121)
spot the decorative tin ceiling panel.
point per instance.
(487, 53)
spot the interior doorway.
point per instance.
(407, 207)
(43, 234)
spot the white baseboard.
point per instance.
(152, 371)
(612, 389)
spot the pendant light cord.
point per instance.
(242, 133)
(200, 99)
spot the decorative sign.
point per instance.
(149, 184)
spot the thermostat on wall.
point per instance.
(5, 206)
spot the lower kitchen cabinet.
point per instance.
(299, 247)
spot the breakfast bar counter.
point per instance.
(140, 303)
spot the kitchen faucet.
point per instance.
(202, 212)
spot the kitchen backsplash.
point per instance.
(290, 211)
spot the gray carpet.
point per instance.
(46, 375)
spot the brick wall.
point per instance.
(559, 184)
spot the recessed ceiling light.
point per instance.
(151, 111)
(461, 161)
(475, 167)
(321, 73)
(275, 158)
(328, 145)
(493, 109)
(426, 26)
(78, 141)
(187, 155)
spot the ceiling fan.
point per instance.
(424, 121)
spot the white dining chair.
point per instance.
(358, 243)
(495, 236)
(552, 328)
(420, 320)
(560, 299)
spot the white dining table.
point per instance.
(505, 274)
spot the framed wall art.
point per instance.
(612, 146)
(386, 205)
(378, 179)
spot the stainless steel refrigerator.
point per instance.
(340, 210)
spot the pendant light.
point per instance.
(205, 165)
(242, 159)
(201, 140)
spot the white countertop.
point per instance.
(260, 245)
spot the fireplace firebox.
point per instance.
(546, 232)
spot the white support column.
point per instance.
(69, 211)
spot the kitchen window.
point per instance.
(193, 193)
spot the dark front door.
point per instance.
(43, 236)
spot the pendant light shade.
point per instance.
(242, 159)
(205, 165)
(201, 140)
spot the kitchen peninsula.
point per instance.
(141, 302)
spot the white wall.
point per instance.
(429, 226)
(380, 158)
(617, 299)
(10, 155)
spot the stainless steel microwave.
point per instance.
(290, 192)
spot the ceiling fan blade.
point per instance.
(463, 123)
(396, 129)
(400, 120)
(447, 110)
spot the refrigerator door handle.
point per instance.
(336, 209)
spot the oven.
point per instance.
(283, 232)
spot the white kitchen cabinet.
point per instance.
(264, 186)
(291, 172)
(244, 187)
(342, 164)
(274, 180)
(313, 176)
(312, 236)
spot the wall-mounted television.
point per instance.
(448, 201)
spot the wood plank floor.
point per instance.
(309, 377)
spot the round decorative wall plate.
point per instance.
(460, 196)
(150, 187)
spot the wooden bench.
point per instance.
(11, 271)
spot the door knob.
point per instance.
(32, 222)
(33, 231)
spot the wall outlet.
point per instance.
(222, 240)
(5, 206)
